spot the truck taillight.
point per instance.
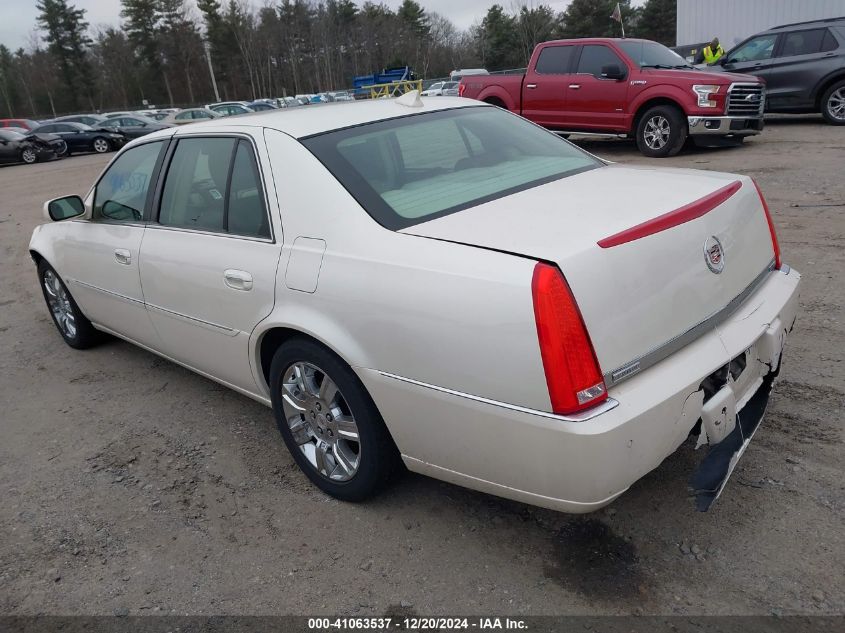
(573, 375)
(461, 89)
(772, 231)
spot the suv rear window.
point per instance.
(412, 169)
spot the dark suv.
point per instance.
(803, 65)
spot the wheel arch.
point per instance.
(496, 95)
(824, 84)
(651, 102)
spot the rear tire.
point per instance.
(661, 131)
(74, 327)
(833, 104)
(332, 429)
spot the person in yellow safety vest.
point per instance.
(713, 51)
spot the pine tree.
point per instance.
(588, 18)
(658, 21)
(497, 40)
(66, 35)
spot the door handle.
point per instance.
(531, 86)
(575, 86)
(237, 279)
(123, 256)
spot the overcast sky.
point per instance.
(18, 16)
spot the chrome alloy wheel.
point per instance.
(320, 421)
(29, 156)
(59, 303)
(836, 104)
(101, 145)
(657, 131)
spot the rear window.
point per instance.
(412, 169)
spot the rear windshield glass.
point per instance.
(410, 170)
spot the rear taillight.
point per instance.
(461, 89)
(572, 371)
(772, 231)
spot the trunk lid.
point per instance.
(638, 295)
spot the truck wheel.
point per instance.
(833, 104)
(661, 132)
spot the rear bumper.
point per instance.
(724, 125)
(580, 466)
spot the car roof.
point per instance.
(303, 122)
(809, 23)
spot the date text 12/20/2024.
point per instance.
(416, 624)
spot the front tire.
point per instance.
(661, 132)
(833, 104)
(329, 423)
(101, 145)
(29, 156)
(74, 327)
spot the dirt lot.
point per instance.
(130, 485)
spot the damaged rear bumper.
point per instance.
(580, 466)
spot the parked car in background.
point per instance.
(545, 351)
(630, 87)
(191, 115)
(231, 109)
(457, 75)
(342, 95)
(26, 124)
(29, 148)
(436, 89)
(83, 138)
(156, 116)
(802, 64)
(261, 105)
(114, 115)
(135, 126)
(450, 89)
(94, 120)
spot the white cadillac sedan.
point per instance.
(438, 283)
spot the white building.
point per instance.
(734, 20)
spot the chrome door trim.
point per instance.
(635, 366)
(116, 295)
(207, 324)
(589, 414)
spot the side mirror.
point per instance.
(612, 71)
(60, 209)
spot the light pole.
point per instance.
(207, 47)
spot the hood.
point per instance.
(702, 76)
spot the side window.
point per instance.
(64, 127)
(594, 57)
(802, 42)
(194, 193)
(185, 115)
(554, 60)
(245, 212)
(829, 42)
(756, 49)
(213, 184)
(49, 129)
(122, 191)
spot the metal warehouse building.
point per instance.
(734, 20)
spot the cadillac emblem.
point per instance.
(714, 255)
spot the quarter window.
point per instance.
(122, 191)
(829, 42)
(554, 60)
(594, 57)
(213, 185)
(802, 42)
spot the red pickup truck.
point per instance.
(627, 87)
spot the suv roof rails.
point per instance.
(819, 21)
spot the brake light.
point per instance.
(772, 231)
(572, 372)
(461, 89)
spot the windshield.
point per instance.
(412, 169)
(652, 54)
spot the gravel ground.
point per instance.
(130, 485)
